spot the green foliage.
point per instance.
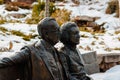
(113, 7)
(35, 19)
(37, 8)
(52, 8)
(38, 12)
(1, 1)
(61, 16)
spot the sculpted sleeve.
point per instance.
(76, 70)
(18, 57)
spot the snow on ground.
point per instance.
(97, 42)
(25, 28)
(102, 43)
(111, 74)
(17, 41)
(94, 10)
(4, 13)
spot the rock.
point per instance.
(90, 62)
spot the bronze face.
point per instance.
(53, 33)
(74, 35)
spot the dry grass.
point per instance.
(3, 29)
(117, 32)
(19, 33)
(116, 48)
(1, 1)
(80, 47)
(102, 43)
(113, 7)
(84, 36)
(96, 37)
(108, 49)
(61, 16)
(119, 38)
(84, 29)
(24, 36)
(87, 48)
(93, 43)
(11, 8)
(2, 20)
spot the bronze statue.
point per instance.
(70, 38)
(41, 61)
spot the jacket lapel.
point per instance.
(43, 56)
(80, 56)
(64, 63)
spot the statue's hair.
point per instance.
(65, 30)
(44, 24)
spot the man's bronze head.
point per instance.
(48, 29)
(69, 33)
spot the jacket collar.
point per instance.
(44, 45)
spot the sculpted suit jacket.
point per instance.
(35, 61)
(74, 63)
